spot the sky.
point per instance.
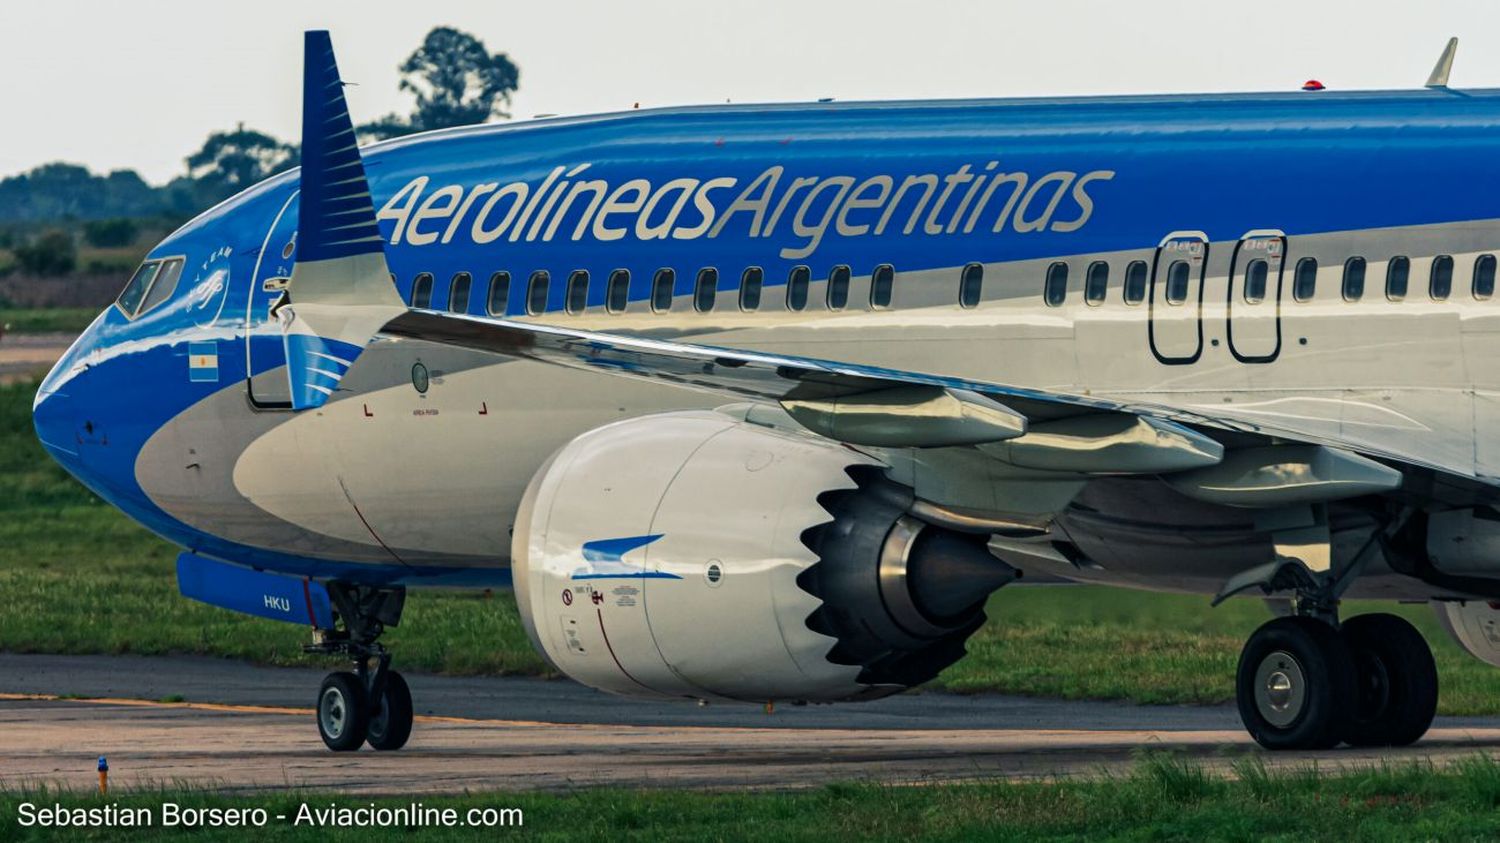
(113, 84)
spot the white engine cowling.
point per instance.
(695, 555)
(1474, 625)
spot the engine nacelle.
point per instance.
(1474, 625)
(696, 555)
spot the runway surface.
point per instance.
(247, 728)
(24, 356)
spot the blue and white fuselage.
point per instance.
(925, 188)
(800, 377)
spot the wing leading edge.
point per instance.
(848, 401)
(866, 405)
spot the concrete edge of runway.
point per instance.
(244, 728)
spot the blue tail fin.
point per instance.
(340, 291)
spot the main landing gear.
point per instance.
(372, 704)
(1308, 682)
(1304, 684)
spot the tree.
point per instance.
(232, 161)
(60, 191)
(111, 233)
(52, 253)
(456, 80)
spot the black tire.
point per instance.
(1396, 681)
(390, 725)
(1295, 684)
(343, 712)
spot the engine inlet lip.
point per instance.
(895, 592)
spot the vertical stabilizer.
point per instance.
(1444, 67)
(340, 292)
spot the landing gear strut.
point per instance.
(373, 703)
(1308, 682)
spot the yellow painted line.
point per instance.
(1161, 736)
(429, 718)
(242, 708)
(258, 709)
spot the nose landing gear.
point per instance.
(372, 704)
(343, 711)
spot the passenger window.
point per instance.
(1096, 283)
(578, 291)
(750, 283)
(1484, 277)
(617, 296)
(882, 286)
(421, 291)
(536, 292)
(164, 285)
(458, 292)
(499, 300)
(1179, 276)
(706, 289)
(971, 285)
(1055, 290)
(1397, 270)
(1442, 277)
(1305, 280)
(1354, 279)
(662, 287)
(1135, 282)
(796, 288)
(1256, 274)
(838, 287)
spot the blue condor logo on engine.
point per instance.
(800, 210)
(606, 560)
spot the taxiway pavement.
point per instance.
(250, 728)
(26, 356)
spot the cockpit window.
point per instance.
(135, 292)
(164, 285)
(151, 285)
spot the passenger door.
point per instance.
(1175, 303)
(265, 353)
(1253, 308)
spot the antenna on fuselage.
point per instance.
(1439, 76)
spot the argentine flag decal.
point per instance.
(203, 362)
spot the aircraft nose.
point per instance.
(53, 417)
(54, 409)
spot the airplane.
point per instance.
(762, 402)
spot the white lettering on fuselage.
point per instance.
(799, 209)
(280, 604)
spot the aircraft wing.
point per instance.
(812, 390)
(736, 373)
(866, 405)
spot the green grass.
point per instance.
(47, 319)
(121, 259)
(1162, 798)
(78, 577)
